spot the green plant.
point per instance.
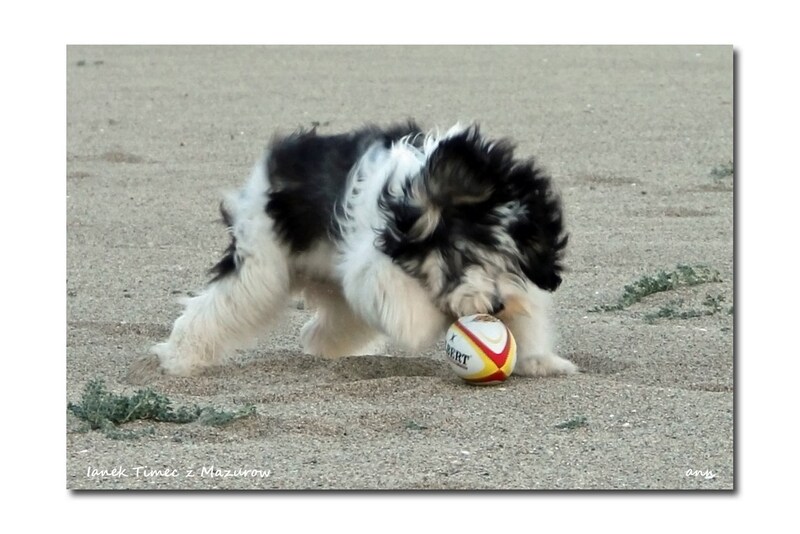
(413, 425)
(574, 422)
(102, 410)
(682, 276)
(721, 172)
(673, 310)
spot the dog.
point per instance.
(388, 233)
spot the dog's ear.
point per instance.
(463, 167)
(540, 236)
(546, 276)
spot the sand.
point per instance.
(631, 136)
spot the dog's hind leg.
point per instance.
(335, 330)
(228, 315)
(250, 290)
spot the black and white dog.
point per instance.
(386, 233)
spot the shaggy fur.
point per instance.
(386, 233)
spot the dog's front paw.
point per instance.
(543, 365)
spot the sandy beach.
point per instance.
(637, 139)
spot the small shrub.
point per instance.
(574, 422)
(682, 276)
(102, 410)
(673, 310)
(720, 172)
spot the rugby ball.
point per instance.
(481, 349)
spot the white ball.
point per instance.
(481, 349)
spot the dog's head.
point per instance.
(475, 225)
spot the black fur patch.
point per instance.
(227, 264)
(466, 178)
(308, 174)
